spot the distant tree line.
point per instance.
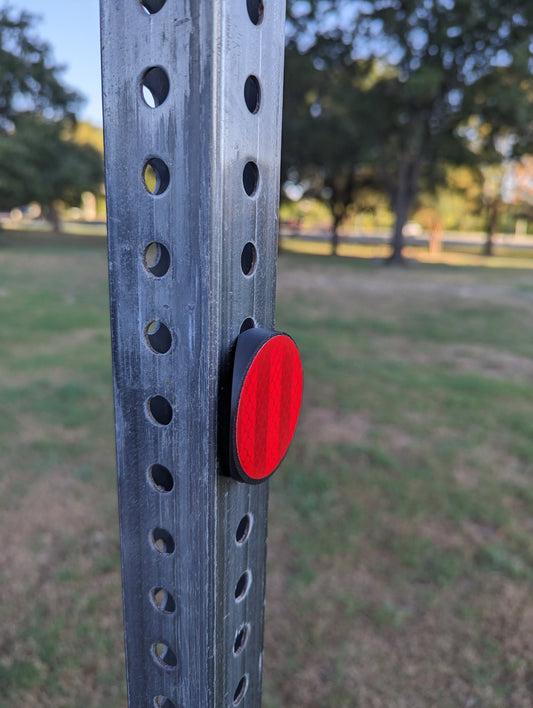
(40, 158)
(392, 95)
(411, 100)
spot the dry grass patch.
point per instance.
(323, 426)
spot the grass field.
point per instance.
(400, 550)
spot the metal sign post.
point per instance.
(192, 119)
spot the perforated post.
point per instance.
(192, 119)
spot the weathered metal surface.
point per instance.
(177, 96)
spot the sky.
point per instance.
(72, 28)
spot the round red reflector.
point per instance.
(268, 405)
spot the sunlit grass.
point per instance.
(11, 228)
(458, 257)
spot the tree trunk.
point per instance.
(404, 197)
(435, 236)
(341, 198)
(52, 215)
(335, 234)
(488, 248)
(397, 241)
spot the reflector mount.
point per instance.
(266, 399)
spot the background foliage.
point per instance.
(393, 94)
(39, 159)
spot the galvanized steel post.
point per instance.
(192, 120)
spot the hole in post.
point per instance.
(152, 6)
(243, 529)
(164, 656)
(160, 410)
(162, 601)
(162, 542)
(156, 176)
(249, 323)
(240, 691)
(252, 94)
(163, 702)
(248, 259)
(243, 585)
(155, 86)
(256, 9)
(158, 337)
(250, 178)
(241, 639)
(160, 479)
(156, 259)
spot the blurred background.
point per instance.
(400, 545)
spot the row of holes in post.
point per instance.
(255, 8)
(155, 87)
(252, 98)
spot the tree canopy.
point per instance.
(448, 82)
(29, 78)
(324, 134)
(39, 159)
(39, 162)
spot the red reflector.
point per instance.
(268, 405)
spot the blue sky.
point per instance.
(72, 28)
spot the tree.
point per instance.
(324, 143)
(521, 192)
(29, 79)
(455, 203)
(39, 160)
(448, 61)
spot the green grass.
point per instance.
(60, 569)
(417, 499)
(400, 551)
